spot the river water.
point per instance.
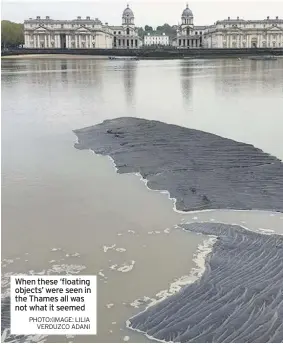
(63, 210)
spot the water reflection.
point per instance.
(129, 74)
(54, 71)
(236, 77)
(222, 95)
(186, 78)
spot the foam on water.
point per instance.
(6, 336)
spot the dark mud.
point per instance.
(5, 325)
(239, 298)
(199, 169)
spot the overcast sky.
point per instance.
(146, 12)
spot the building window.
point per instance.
(234, 37)
(62, 25)
(274, 44)
(114, 32)
(196, 33)
(180, 42)
(274, 36)
(128, 31)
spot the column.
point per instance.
(45, 41)
(67, 41)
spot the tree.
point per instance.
(148, 28)
(12, 34)
(141, 32)
(167, 29)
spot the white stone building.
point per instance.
(81, 33)
(188, 35)
(155, 39)
(126, 36)
(239, 33)
(87, 33)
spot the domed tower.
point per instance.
(128, 17)
(187, 25)
(187, 16)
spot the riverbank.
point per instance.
(150, 54)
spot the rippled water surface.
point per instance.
(67, 211)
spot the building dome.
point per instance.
(128, 12)
(187, 12)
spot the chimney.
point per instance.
(38, 17)
(79, 17)
(47, 17)
(88, 18)
(267, 17)
(276, 17)
(237, 18)
(228, 18)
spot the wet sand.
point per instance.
(237, 293)
(237, 299)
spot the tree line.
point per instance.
(12, 34)
(169, 30)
